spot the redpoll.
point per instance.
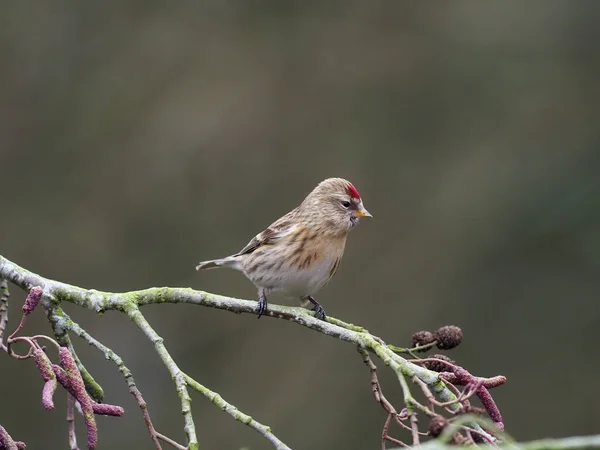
(299, 253)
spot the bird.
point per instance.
(300, 252)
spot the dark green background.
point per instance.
(138, 138)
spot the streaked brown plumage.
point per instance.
(299, 253)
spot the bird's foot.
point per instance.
(320, 312)
(318, 309)
(262, 306)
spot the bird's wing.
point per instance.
(274, 233)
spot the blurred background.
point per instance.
(138, 138)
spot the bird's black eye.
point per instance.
(346, 204)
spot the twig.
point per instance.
(411, 351)
(414, 426)
(411, 404)
(396, 441)
(385, 437)
(236, 413)
(384, 430)
(376, 386)
(427, 392)
(388, 407)
(169, 441)
(176, 374)
(71, 422)
(410, 401)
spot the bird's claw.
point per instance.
(318, 309)
(262, 307)
(320, 312)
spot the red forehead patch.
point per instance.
(352, 192)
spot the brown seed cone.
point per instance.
(448, 337)
(421, 338)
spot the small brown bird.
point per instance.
(299, 253)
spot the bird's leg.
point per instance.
(262, 302)
(318, 309)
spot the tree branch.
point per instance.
(3, 310)
(55, 293)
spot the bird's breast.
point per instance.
(309, 269)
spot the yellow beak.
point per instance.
(362, 212)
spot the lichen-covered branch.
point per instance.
(3, 309)
(55, 293)
(129, 303)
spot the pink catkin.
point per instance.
(78, 387)
(462, 377)
(62, 378)
(34, 297)
(490, 406)
(493, 382)
(6, 442)
(488, 383)
(43, 364)
(45, 367)
(48, 393)
(108, 410)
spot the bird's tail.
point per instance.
(229, 262)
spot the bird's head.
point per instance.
(334, 206)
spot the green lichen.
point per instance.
(91, 385)
(346, 325)
(61, 324)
